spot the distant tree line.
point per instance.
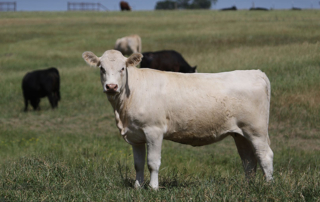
(185, 4)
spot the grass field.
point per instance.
(75, 153)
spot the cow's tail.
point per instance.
(139, 45)
(268, 91)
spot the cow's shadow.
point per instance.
(164, 183)
(167, 181)
(176, 180)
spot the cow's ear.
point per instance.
(134, 59)
(195, 69)
(91, 58)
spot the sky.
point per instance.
(113, 5)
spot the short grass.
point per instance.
(75, 153)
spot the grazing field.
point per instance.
(75, 153)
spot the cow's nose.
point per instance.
(112, 87)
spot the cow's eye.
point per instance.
(102, 70)
(122, 69)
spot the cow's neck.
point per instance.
(119, 101)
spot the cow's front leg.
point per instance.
(154, 160)
(139, 154)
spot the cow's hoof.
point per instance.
(270, 180)
(137, 185)
(154, 188)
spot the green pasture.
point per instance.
(75, 153)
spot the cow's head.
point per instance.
(113, 68)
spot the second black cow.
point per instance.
(166, 60)
(39, 84)
(124, 6)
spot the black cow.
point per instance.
(258, 9)
(124, 6)
(166, 60)
(296, 9)
(233, 8)
(39, 84)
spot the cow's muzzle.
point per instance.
(111, 88)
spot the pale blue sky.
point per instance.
(61, 5)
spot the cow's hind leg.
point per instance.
(52, 100)
(247, 154)
(139, 154)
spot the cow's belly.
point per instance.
(198, 132)
(196, 139)
(189, 136)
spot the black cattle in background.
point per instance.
(39, 84)
(166, 60)
(124, 6)
(258, 9)
(233, 8)
(296, 9)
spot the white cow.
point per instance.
(128, 44)
(195, 109)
